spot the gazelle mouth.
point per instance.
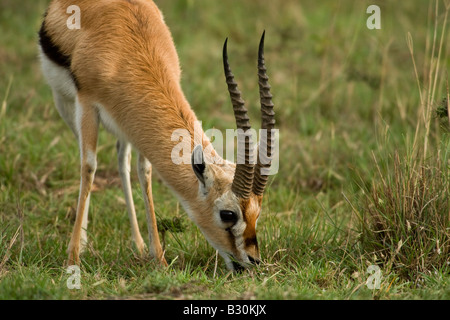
(238, 267)
(241, 266)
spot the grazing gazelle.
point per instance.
(121, 68)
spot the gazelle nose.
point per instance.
(253, 260)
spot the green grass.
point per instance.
(348, 100)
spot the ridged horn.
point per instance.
(267, 138)
(243, 176)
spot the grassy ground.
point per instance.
(364, 159)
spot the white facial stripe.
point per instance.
(229, 201)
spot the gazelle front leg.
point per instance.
(87, 127)
(124, 157)
(145, 178)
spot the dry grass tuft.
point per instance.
(407, 222)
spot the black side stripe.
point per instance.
(53, 52)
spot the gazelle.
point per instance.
(120, 68)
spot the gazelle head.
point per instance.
(231, 193)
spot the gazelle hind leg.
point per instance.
(87, 123)
(66, 109)
(145, 178)
(124, 158)
(65, 104)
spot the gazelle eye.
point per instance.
(228, 216)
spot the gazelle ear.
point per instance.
(198, 163)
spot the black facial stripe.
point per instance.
(231, 235)
(251, 242)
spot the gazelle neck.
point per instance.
(169, 147)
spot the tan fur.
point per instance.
(124, 59)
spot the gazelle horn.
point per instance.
(243, 176)
(265, 149)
